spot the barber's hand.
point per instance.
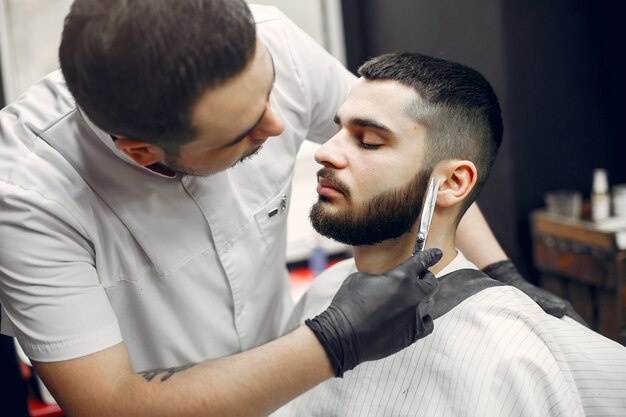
(374, 316)
(507, 273)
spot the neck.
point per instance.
(380, 257)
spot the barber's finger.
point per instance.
(424, 327)
(427, 285)
(425, 307)
(421, 261)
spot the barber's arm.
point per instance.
(248, 384)
(370, 317)
(475, 238)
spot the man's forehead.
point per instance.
(379, 99)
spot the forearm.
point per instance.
(252, 383)
(476, 240)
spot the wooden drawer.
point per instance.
(579, 262)
(585, 266)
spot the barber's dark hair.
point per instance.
(455, 103)
(137, 67)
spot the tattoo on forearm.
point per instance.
(168, 372)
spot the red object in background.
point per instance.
(301, 278)
(37, 408)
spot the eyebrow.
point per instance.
(366, 123)
(242, 136)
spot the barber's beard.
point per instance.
(171, 162)
(387, 215)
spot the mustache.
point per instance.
(330, 175)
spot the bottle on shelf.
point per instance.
(600, 198)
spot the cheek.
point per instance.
(223, 157)
(378, 178)
(371, 181)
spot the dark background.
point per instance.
(553, 64)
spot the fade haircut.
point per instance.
(137, 67)
(455, 104)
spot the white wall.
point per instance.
(321, 19)
(307, 14)
(30, 32)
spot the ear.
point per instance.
(458, 179)
(141, 152)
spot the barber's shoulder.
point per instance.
(29, 164)
(42, 105)
(263, 14)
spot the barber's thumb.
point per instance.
(421, 261)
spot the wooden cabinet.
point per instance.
(586, 264)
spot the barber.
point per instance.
(138, 257)
(138, 272)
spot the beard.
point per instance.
(387, 215)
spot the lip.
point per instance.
(327, 188)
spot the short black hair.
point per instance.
(137, 67)
(454, 102)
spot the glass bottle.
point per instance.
(600, 199)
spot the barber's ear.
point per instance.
(141, 152)
(458, 179)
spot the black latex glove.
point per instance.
(507, 273)
(374, 316)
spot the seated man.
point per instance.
(493, 351)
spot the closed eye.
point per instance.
(368, 140)
(369, 146)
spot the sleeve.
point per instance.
(52, 300)
(325, 81)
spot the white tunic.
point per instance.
(95, 249)
(495, 354)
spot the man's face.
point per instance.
(232, 121)
(372, 184)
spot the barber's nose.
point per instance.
(331, 154)
(270, 125)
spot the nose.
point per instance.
(270, 125)
(331, 153)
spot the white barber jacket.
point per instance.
(95, 249)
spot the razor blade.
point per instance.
(428, 210)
